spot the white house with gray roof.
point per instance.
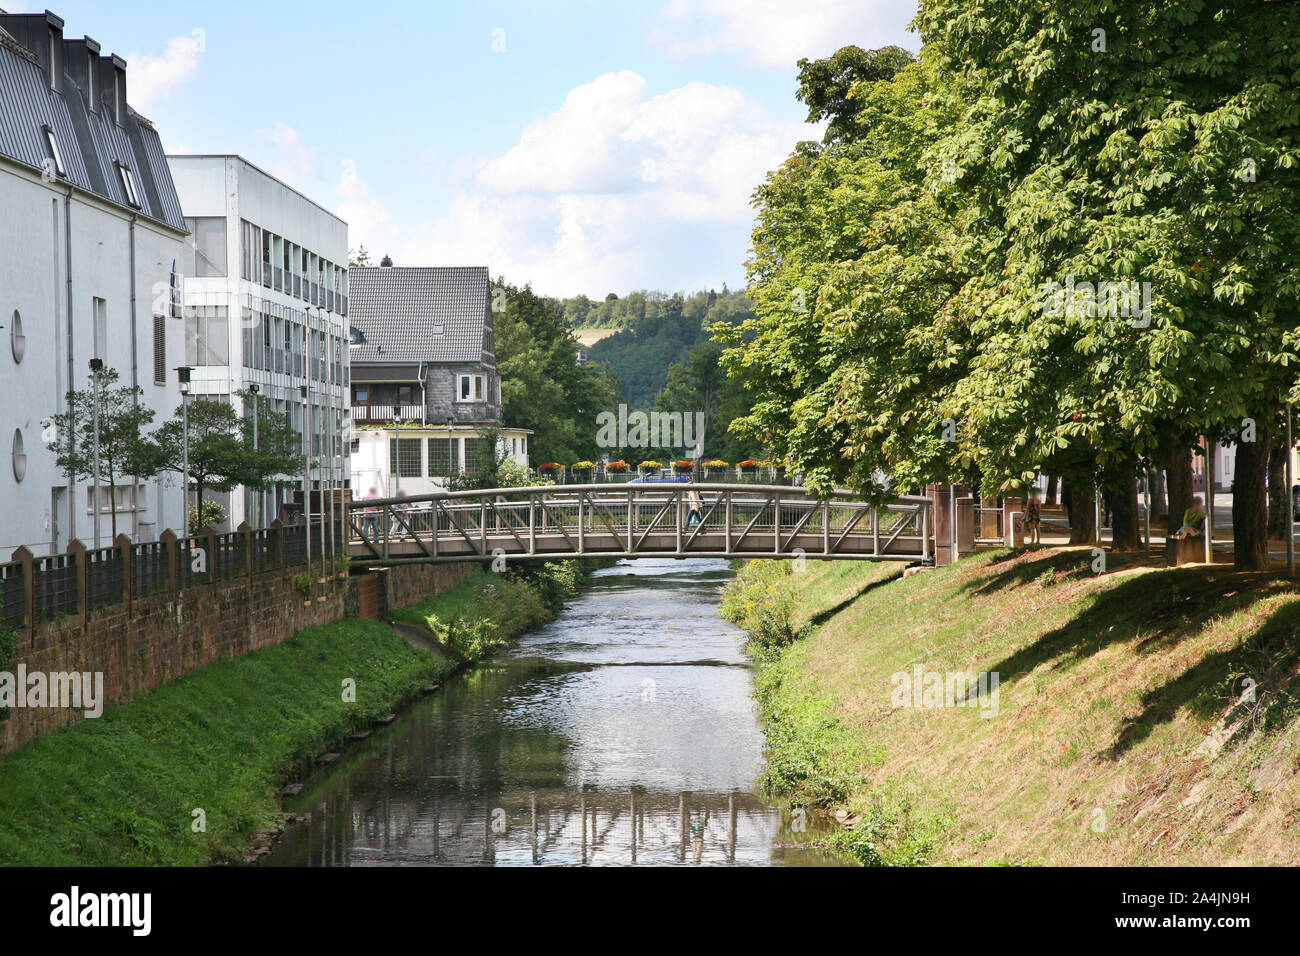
(423, 363)
(92, 231)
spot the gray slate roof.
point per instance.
(398, 309)
(90, 143)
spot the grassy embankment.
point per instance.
(122, 789)
(1124, 731)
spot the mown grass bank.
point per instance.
(1124, 731)
(123, 789)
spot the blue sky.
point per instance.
(583, 147)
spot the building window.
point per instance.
(160, 350)
(469, 388)
(207, 243)
(477, 456)
(56, 157)
(406, 463)
(442, 457)
(206, 340)
(100, 312)
(117, 498)
(19, 456)
(17, 341)
(128, 185)
(90, 82)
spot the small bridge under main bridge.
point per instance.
(636, 520)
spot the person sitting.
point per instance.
(1193, 521)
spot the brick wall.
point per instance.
(160, 638)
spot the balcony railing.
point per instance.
(383, 412)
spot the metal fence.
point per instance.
(44, 588)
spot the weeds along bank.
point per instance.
(1022, 709)
(189, 772)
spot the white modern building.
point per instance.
(92, 226)
(266, 304)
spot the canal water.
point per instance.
(624, 732)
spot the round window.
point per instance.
(20, 456)
(17, 341)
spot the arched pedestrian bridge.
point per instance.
(637, 520)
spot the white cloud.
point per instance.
(778, 33)
(295, 162)
(152, 78)
(612, 191)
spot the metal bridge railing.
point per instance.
(680, 519)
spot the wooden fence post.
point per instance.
(77, 551)
(25, 557)
(246, 538)
(278, 527)
(126, 549)
(168, 539)
(209, 536)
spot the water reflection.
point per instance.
(622, 733)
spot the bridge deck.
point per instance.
(567, 521)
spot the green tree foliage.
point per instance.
(700, 384)
(542, 385)
(827, 86)
(660, 330)
(903, 270)
(221, 447)
(123, 451)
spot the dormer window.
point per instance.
(128, 185)
(56, 157)
(54, 70)
(90, 82)
(469, 388)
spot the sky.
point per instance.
(582, 147)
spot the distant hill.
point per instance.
(654, 330)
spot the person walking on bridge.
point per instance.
(694, 503)
(370, 517)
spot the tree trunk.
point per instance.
(1050, 497)
(1277, 491)
(1250, 501)
(1178, 479)
(1083, 515)
(1156, 482)
(1124, 531)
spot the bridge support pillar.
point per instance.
(942, 498)
(1013, 522)
(965, 526)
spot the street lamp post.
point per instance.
(96, 365)
(183, 377)
(397, 448)
(451, 452)
(253, 389)
(306, 469)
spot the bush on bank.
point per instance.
(483, 614)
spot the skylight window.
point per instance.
(128, 184)
(56, 157)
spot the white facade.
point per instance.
(62, 246)
(265, 296)
(424, 456)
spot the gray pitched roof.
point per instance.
(90, 142)
(396, 313)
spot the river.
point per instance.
(624, 732)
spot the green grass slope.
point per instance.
(1125, 730)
